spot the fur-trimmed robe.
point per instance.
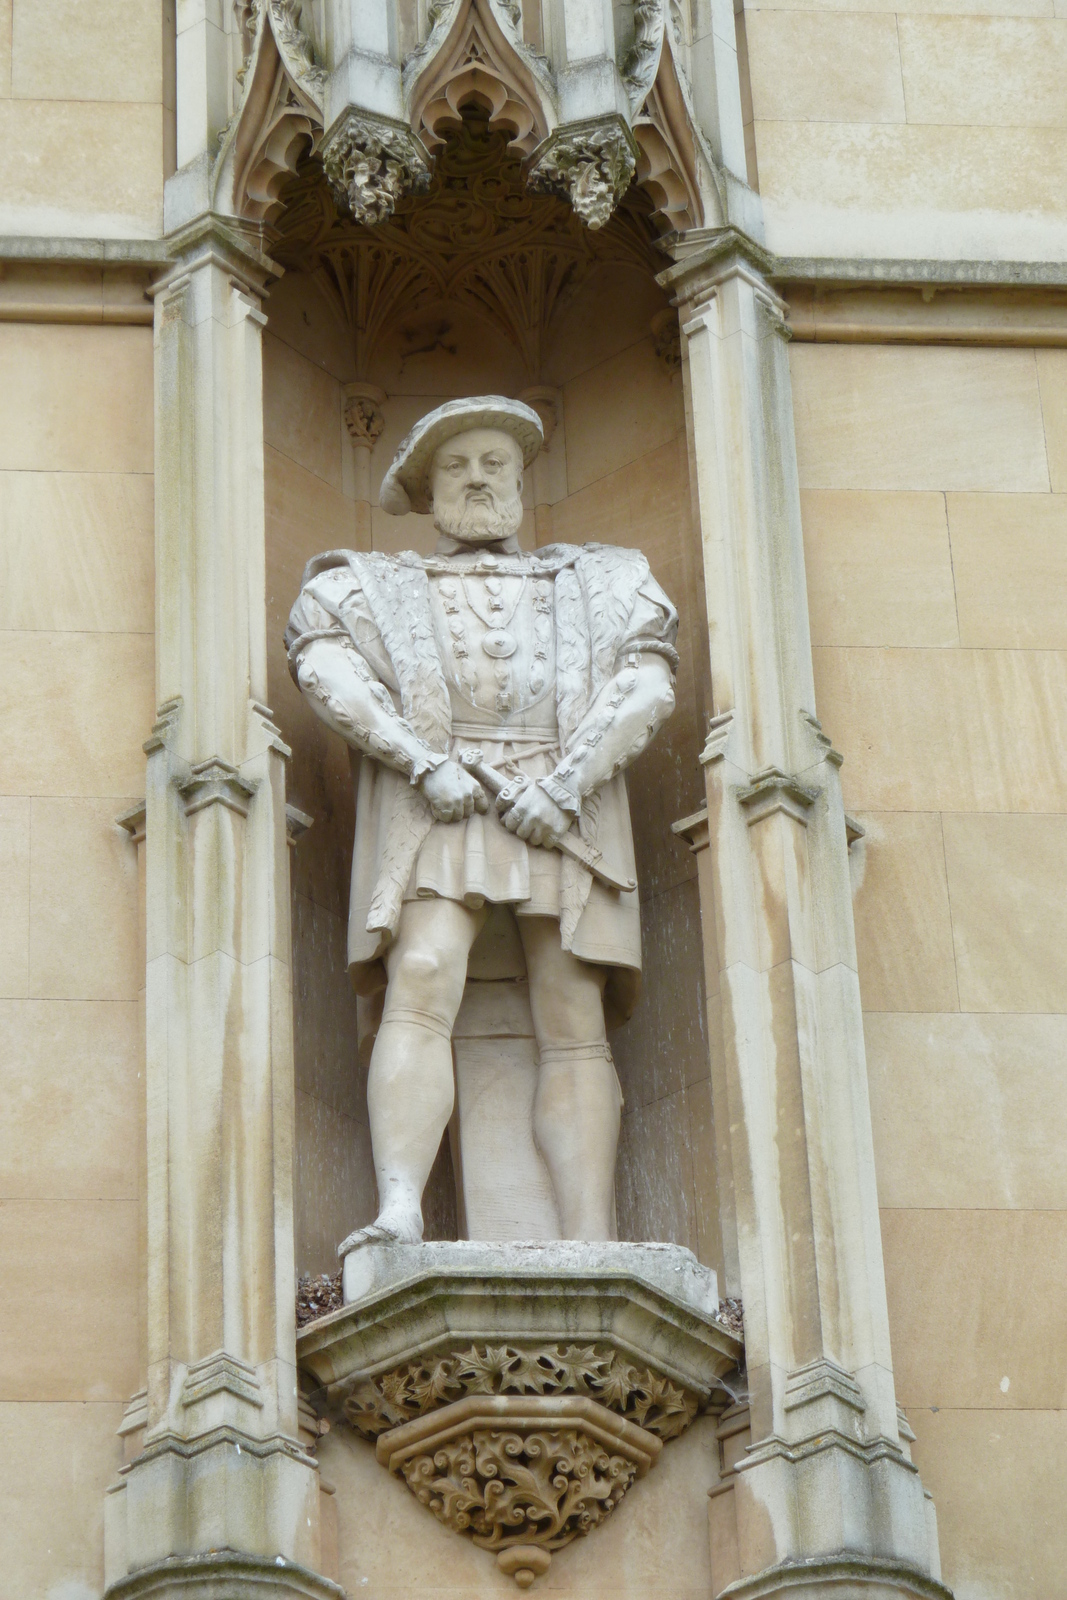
(607, 606)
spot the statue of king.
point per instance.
(497, 696)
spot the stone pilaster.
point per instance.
(221, 1495)
(826, 1492)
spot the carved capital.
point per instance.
(371, 162)
(363, 413)
(591, 164)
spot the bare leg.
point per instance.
(410, 1088)
(577, 1106)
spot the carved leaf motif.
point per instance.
(647, 1398)
(545, 1486)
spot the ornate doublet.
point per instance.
(507, 653)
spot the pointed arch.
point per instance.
(675, 166)
(475, 56)
(279, 118)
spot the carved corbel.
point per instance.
(590, 164)
(279, 118)
(371, 162)
(475, 55)
(364, 418)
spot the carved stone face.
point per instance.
(476, 486)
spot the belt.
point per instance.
(497, 735)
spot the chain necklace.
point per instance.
(497, 643)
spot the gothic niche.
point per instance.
(478, 237)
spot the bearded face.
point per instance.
(476, 484)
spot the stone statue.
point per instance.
(546, 673)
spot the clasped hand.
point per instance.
(535, 817)
(454, 795)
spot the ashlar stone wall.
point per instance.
(76, 702)
(935, 518)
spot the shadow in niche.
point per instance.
(481, 284)
(479, 239)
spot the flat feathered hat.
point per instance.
(406, 486)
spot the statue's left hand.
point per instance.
(536, 817)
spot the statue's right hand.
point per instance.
(452, 792)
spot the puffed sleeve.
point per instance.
(652, 627)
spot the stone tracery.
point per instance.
(479, 238)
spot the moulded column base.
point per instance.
(842, 1577)
(224, 1575)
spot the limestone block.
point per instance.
(953, 730)
(333, 1180)
(998, 1281)
(301, 411)
(56, 1461)
(327, 1055)
(884, 417)
(968, 1110)
(15, 901)
(62, 50)
(87, 1348)
(879, 568)
(1011, 70)
(305, 514)
(891, 190)
(903, 921)
(1052, 381)
(999, 1520)
(85, 938)
(611, 312)
(1006, 877)
(6, 9)
(664, 1046)
(75, 399)
(824, 66)
(618, 411)
(82, 168)
(1009, 556)
(75, 707)
(77, 552)
(73, 1072)
(501, 1176)
(655, 1175)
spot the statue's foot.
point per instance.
(389, 1228)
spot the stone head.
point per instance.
(476, 486)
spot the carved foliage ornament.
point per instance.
(653, 1402)
(521, 1477)
(591, 164)
(370, 163)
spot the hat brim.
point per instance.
(406, 486)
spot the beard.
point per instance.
(480, 524)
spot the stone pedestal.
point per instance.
(520, 1390)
